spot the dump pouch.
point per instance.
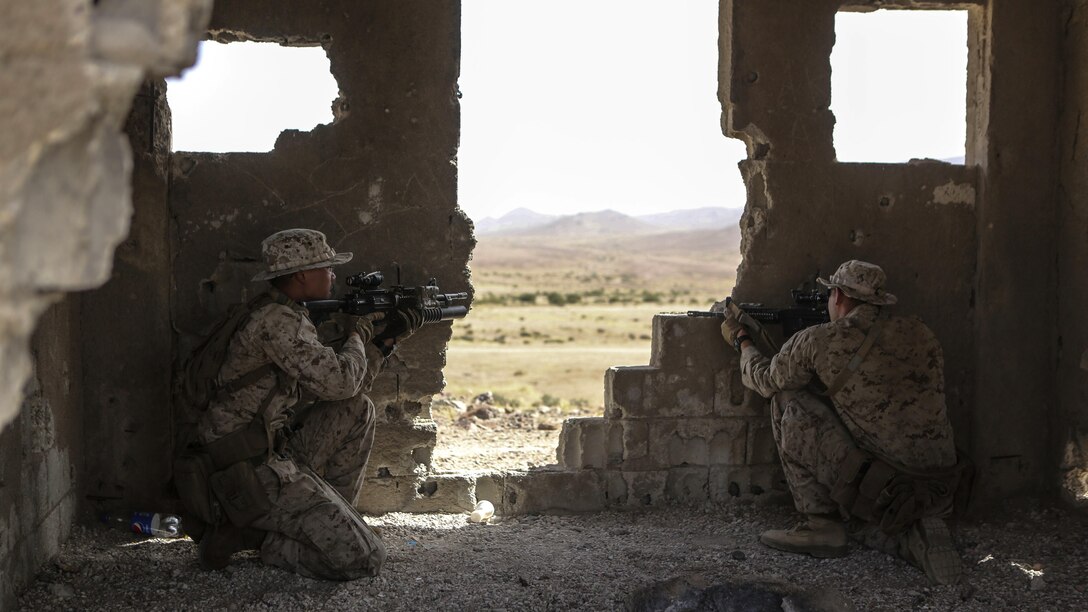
(246, 443)
(240, 493)
(192, 478)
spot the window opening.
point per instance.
(899, 85)
(240, 96)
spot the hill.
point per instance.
(523, 221)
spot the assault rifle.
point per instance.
(369, 297)
(810, 308)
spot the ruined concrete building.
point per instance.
(117, 254)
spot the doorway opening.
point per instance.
(603, 192)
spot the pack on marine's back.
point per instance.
(200, 370)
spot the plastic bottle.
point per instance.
(146, 523)
(482, 512)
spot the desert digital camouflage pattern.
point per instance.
(861, 280)
(893, 405)
(295, 250)
(314, 528)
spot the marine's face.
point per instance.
(318, 283)
(834, 296)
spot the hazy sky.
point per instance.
(583, 105)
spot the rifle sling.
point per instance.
(855, 361)
(245, 380)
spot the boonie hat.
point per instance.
(295, 250)
(861, 280)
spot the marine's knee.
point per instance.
(800, 405)
(358, 557)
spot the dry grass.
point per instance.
(528, 353)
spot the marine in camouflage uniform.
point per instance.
(890, 406)
(313, 480)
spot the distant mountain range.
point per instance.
(604, 222)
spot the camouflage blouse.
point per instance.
(285, 336)
(893, 404)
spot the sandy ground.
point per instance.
(1022, 555)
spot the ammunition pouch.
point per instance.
(218, 479)
(872, 490)
(241, 493)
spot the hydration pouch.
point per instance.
(192, 478)
(240, 493)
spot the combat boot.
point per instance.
(928, 546)
(222, 541)
(818, 536)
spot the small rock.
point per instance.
(547, 426)
(738, 555)
(1037, 583)
(459, 405)
(484, 398)
(61, 590)
(67, 565)
(484, 412)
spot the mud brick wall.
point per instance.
(1070, 434)
(968, 248)
(70, 71)
(380, 181)
(680, 430)
(964, 246)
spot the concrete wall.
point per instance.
(71, 68)
(380, 181)
(970, 249)
(127, 336)
(806, 213)
(1070, 435)
(40, 453)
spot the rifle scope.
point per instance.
(366, 280)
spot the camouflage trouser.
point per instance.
(313, 527)
(811, 448)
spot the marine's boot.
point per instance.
(928, 546)
(222, 541)
(816, 535)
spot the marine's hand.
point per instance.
(364, 325)
(411, 321)
(731, 327)
(357, 324)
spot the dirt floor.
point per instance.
(1022, 555)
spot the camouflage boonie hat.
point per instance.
(295, 250)
(862, 281)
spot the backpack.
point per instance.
(199, 383)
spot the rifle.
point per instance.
(810, 308)
(369, 297)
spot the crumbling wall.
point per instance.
(380, 181)
(964, 247)
(40, 453)
(1071, 427)
(967, 248)
(71, 68)
(127, 338)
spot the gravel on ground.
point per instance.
(1020, 555)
